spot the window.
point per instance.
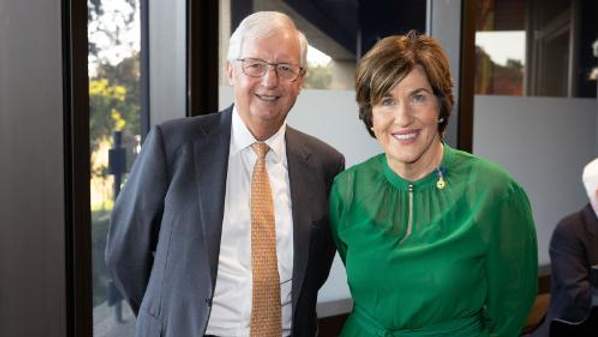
(115, 98)
(536, 48)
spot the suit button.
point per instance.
(208, 301)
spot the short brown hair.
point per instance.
(393, 58)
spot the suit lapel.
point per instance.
(211, 164)
(298, 159)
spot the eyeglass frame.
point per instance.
(273, 65)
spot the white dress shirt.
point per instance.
(231, 305)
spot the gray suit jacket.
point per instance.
(165, 230)
(573, 250)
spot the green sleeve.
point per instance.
(511, 265)
(335, 219)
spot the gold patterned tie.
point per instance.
(265, 310)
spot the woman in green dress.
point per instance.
(435, 241)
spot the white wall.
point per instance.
(544, 143)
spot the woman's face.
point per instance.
(405, 122)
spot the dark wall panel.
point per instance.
(32, 253)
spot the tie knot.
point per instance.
(260, 149)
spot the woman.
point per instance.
(436, 242)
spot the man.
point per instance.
(222, 228)
(574, 260)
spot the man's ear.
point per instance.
(230, 73)
(301, 80)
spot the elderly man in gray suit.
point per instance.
(222, 227)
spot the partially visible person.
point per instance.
(574, 264)
(436, 242)
(222, 227)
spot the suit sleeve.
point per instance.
(511, 265)
(135, 221)
(572, 295)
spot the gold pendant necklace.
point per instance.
(440, 183)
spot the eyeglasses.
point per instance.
(257, 68)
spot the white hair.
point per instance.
(263, 24)
(590, 182)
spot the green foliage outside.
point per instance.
(100, 220)
(114, 99)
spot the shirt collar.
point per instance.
(241, 138)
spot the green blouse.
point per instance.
(422, 260)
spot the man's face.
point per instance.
(263, 102)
